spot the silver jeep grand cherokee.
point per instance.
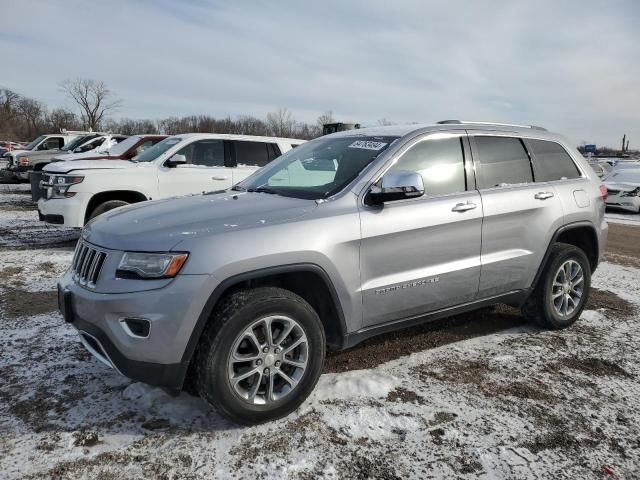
(238, 293)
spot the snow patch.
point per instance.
(355, 384)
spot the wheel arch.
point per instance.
(130, 196)
(308, 280)
(579, 234)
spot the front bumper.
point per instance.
(172, 311)
(68, 212)
(631, 204)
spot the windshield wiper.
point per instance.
(238, 188)
(263, 189)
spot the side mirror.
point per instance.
(176, 160)
(396, 185)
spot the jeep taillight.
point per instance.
(604, 193)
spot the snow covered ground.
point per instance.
(517, 403)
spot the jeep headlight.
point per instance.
(150, 265)
(61, 183)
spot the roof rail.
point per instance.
(64, 131)
(461, 122)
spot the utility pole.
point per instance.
(624, 138)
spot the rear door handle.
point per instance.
(219, 178)
(463, 207)
(543, 195)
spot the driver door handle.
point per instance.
(543, 195)
(463, 207)
(219, 178)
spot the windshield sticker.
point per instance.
(368, 145)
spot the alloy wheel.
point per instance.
(567, 288)
(268, 359)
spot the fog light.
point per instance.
(136, 327)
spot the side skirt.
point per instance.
(515, 298)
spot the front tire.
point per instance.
(260, 356)
(562, 290)
(106, 206)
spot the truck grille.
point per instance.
(613, 192)
(87, 264)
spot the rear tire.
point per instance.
(247, 374)
(106, 206)
(562, 290)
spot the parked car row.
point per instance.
(41, 152)
(239, 292)
(72, 192)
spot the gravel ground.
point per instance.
(482, 395)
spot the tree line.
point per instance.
(23, 118)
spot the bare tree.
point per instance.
(93, 97)
(281, 123)
(32, 111)
(59, 118)
(326, 117)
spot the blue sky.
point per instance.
(572, 66)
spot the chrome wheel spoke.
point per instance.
(294, 363)
(269, 391)
(287, 379)
(268, 333)
(255, 387)
(294, 345)
(285, 333)
(247, 374)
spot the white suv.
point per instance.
(73, 193)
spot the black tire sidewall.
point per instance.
(106, 206)
(568, 253)
(214, 385)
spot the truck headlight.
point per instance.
(150, 265)
(23, 161)
(60, 185)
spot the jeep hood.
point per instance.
(160, 225)
(72, 165)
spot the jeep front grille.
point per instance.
(87, 264)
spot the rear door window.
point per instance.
(551, 161)
(502, 161)
(207, 153)
(254, 154)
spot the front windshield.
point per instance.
(150, 154)
(75, 142)
(31, 145)
(317, 169)
(123, 146)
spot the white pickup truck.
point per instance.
(74, 192)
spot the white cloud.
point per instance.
(571, 66)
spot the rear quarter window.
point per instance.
(551, 161)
